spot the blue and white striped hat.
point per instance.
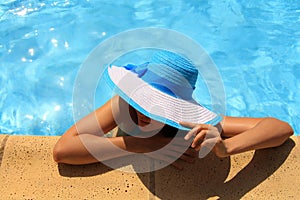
(162, 89)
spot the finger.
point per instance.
(199, 139)
(210, 142)
(206, 146)
(195, 130)
(188, 124)
(192, 125)
(191, 133)
(213, 132)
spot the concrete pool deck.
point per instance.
(27, 171)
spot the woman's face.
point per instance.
(147, 124)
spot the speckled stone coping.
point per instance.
(27, 171)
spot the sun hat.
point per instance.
(161, 89)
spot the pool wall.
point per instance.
(27, 171)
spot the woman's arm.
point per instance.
(84, 143)
(241, 134)
(88, 148)
(252, 134)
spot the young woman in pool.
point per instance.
(154, 102)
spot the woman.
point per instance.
(155, 102)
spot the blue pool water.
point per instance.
(254, 44)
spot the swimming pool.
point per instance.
(255, 45)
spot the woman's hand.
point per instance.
(206, 138)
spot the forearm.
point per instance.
(267, 133)
(87, 148)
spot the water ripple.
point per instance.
(255, 44)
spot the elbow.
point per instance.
(56, 155)
(290, 130)
(285, 130)
(59, 153)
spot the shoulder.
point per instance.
(125, 115)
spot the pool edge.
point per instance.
(28, 171)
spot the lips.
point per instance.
(144, 121)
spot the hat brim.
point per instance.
(154, 103)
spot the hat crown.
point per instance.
(174, 67)
(170, 73)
